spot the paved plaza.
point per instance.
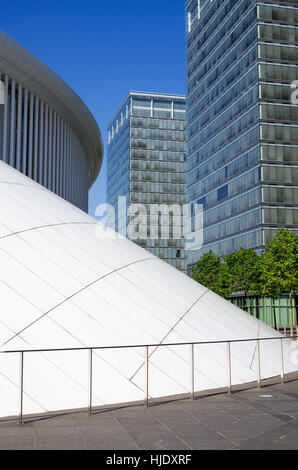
(247, 419)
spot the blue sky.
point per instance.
(103, 49)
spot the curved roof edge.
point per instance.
(34, 74)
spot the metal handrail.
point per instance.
(146, 347)
(154, 345)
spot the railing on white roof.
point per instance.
(146, 363)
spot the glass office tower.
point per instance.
(146, 164)
(242, 127)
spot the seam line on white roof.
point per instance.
(76, 293)
(255, 348)
(173, 327)
(25, 393)
(45, 226)
(37, 186)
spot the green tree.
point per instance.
(270, 286)
(210, 271)
(280, 267)
(243, 272)
(256, 286)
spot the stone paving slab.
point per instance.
(244, 420)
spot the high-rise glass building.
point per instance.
(242, 127)
(146, 164)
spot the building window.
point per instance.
(222, 192)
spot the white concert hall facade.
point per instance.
(46, 131)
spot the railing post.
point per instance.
(146, 376)
(21, 385)
(282, 373)
(192, 372)
(229, 367)
(258, 364)
(90, 358)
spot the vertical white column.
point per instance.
(50, 157)
(30, 146)
(79, 181)
(69, 167)
(19, 127)
(41, 138)
(74, 170)
(64, 160)
(25, 130)
(55, 155)
(72, 163)
(61, 156)
(54, 152)
(36, 129)
(46, 146)
(12, 123)
(68, 164)
(77, 178)
(57, 183)
(5, 124)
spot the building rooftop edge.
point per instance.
(38, 77)
(145, 93)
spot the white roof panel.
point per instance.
(66, 282)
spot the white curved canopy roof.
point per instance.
(65, 282)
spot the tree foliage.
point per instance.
(211, 272)
(272, 273)
(279, 264)
(242, 269)
(279, 267)
(243, 272)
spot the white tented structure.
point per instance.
(67, 282)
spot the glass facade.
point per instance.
(241, 126)
(274, 312)
(146, 164)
